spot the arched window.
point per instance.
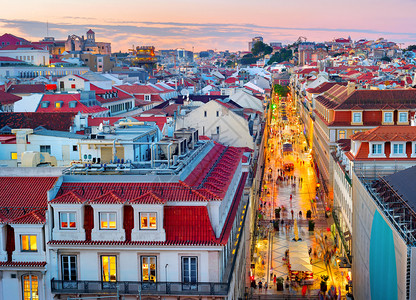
(30, 287)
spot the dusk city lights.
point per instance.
(222, 150)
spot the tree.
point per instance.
(261, 49)
(411, 48)
(281, 56)
(281, 90)
(248, 59)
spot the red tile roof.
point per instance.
(188, 224)
(34, 217)
(16, 47)
(160, 121)
(7, 98)
(52, 121)
(24, 264)
(108, 198)
(99, 93)
(25, 191)
(70, 197)
(149, 198)
(5, 58)
(395, 133)
(26, 89)
(66, 98)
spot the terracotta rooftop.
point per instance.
(26, 89)
(7, 98)
(52, 121)
(387, 134)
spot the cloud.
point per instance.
(186, 34)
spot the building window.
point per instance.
(108, 220)
(398, 149)
(74, 147)
(388, 117)
(29, 243)
(109, 268)
(30, 287)
(189, 272)
(205, 113)
(69, 267)
(13, 155)
(67, 220)
(148, 268)
(356, 117)
(72, 86)
(376, 149)
(147, 97)
(218, 113)
(148, 221)
(403, 117)
(45, 148)
(341, 134)
(218, 129)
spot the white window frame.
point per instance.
(357, 113)
(403, 113)
(148, 215)
(67, 214)
(149, 257)
(109, 268)
(147, 97)
(393, 144)
(72, 272)
(106, 215)
(381, 154)
(384, 117)
(187, 282)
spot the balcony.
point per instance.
(133, 288)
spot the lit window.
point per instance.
(356, 117)
(148, 221)
(28, 243)
(149, 268)
(341, 134)
(108, 220)
(403, 117)
(398, 148)
(376, 149)
(388, 117)
(67, 220)
(30, 287)
(109, 268)
(13, 155)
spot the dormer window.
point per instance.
(376, 149)
(148, 220)
(44, 104)
(67, 220)
(357, 117)
(388, 117)
(398, 149)
(147, 97)
(108, 220)
(403, 117)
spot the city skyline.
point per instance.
(218, 25)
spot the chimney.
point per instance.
(350, 88)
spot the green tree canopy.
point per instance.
(248, 59)
(411, 48)
(281, 90)
(281, 56)
(261, 49)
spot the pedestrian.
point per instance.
(260, 285)
(265, 286)
(292, 213)
(300, 214)
(282, 222)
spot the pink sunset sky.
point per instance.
(215, 24)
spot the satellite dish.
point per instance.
(184, 92)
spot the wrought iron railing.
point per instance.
(136, 287)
